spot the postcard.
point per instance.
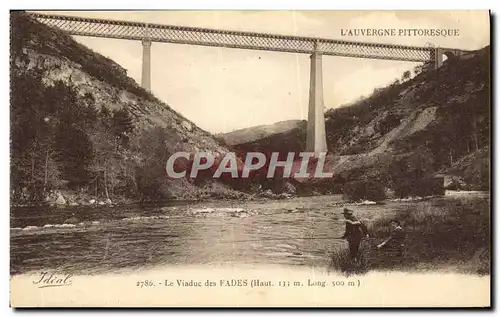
(250, 159)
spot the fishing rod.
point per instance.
(269, 239)
(281, 239)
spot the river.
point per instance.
(294, 232)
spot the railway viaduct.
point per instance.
(315, 47)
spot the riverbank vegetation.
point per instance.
(449, 234)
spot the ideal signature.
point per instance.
(53, 280)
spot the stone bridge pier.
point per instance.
(316, 133)
(146, 65)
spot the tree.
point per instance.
(418, 69)
(74, 153)
(156, 144)
(408, 174)
(428, 65)
(35, 113)
(406, 76)
(122, 126)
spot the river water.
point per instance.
(95, 240)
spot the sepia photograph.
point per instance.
(212, 158)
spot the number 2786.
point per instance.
(145, 283)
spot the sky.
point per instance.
(224, 89)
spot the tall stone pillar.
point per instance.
(146, 65)
(438, 58)
(316, 134)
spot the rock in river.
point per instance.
(60, 200)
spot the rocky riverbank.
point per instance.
(63, 199)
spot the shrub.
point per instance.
(340, 259)
(420, 187)
(450, 232)
(364, 189)
(388, 123)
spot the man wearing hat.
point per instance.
(355, 231)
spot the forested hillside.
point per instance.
(420, 127)
(436, 123)
(82, 130)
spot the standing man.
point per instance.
(355, 231)
(396, 241)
